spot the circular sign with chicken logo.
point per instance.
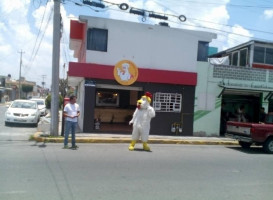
(125, 72)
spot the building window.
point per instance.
(269, 56)
(107, 99)
(243, 57)
(263, 55)
(259, 54)
(97, 39)
(167, 102)
(203, 51)
(235, 56)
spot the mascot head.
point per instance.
(145, 101)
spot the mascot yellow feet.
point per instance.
(132, 145)
(146, 147)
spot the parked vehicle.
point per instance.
(252, 133)
(41, 105)
(23, 112)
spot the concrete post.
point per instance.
(54, 125)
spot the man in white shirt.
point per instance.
(71, 114)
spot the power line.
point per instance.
(204, 27)
(32, 53)
(250, 29)
(230, 5)
(43, 83)
(37, 49)
(219, 30)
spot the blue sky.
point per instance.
(27, 25)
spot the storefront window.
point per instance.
(167, 102)
(107, 98)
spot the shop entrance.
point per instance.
(114, 109)
(232, 102)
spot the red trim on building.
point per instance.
(77, 30)
(262, 66)
(97, 71)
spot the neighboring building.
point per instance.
(10, 90)
(118, 61)
(2, 88)
(242, 75)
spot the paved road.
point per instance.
(31, 171)
(16, 132)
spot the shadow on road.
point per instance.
(21, 125)
(142, 150)
(251, 150)
(40, 145)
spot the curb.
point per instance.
(38, 137)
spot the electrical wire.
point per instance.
(32, 53)
(230, 5)
(197, 26)
(46, 26)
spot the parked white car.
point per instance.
(41, 105)
(22, 111)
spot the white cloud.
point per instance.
(18, 31)
(21, 20)
(268, 14)
(197, 16)
(14, 5)
(237, 35)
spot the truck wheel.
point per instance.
(268, 145)
(245, 145)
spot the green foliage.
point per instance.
(48, 101)
(63, 86)
(27, 88)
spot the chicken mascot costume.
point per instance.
(141, 121)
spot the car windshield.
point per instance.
(40, 102)
(23, 104)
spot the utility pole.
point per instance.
(54, 125)
(43, 83)
(21, 53)
(64, 71)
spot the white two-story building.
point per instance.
(119, 61)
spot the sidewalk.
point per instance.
(123, 138)
(153, 139)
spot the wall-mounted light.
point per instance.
(92, 3)
(158, 16)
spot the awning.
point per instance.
(229, 89)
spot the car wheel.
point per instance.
(268, 146)
(35, 124)
(245, 145)
(6, 124)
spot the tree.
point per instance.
(63, 86)
(48, 101)
(27, 89)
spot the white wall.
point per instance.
(148, 46)
(80, 101)
(207, 107)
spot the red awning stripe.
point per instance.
(97, 71)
